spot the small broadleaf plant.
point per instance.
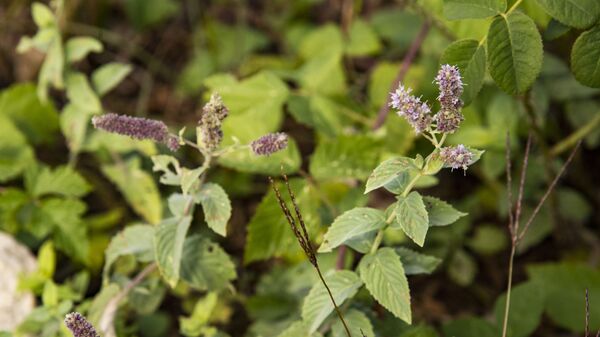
(383, 270)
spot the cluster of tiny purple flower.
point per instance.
(269, 144)
(137, 128)
(79, 326)
(446, 121)
(210, 123)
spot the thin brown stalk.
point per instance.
(300, 232)
(509, 204)
(522, 186)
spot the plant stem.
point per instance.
(514, 6)
(337, 309)
(573, 138)
(509, 288)
(377, 241)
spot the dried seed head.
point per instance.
(450, 84)
(417, 113)
(79, 326)
(135, 127)
(210, 130)
(269, 144)
(456, 157)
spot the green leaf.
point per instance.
(490, 239)
(42, 15)
(526, 308)
(145, 13)
(98, 141)
(358, 323)
(62, 180)
(107, 77)
(417, 263)
(363, 40)
(169, 244)
(344, 157)
(469, 327)
(74, 123)
(52, 70)
(170, 168)
(269, 233)
(328, 35)
(192, 326)
(411, 217)
(473, 9)
(70, 233)
(440, 212)
(584, 58)
(137, 240)
(564, 288)
(384, 277)
(514, 52)
(205, 265)
(15, 154)
(350, 225)
(81, 95)
(244, 160)
(318, 112)
(37, 120)
(298, 329)
(143, 195)
(77, 48)
(388, 171)
(317, 305)
(575, 13)
(469, 57)
(216, 207)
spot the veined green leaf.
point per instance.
(441, 213)
(317, 304)
(387, 171)
(352, 224)
(514, 52)
(575, 13)
(169, 239)
(109, 76)
(205, 265)
(216, 207)
(473, 9)
(411, 217)
(358, 323)
(135, 240)
(417, 263)
(62, 180)
(384, 277)
(469, 57)
(585, 58)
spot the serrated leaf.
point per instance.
(317, 305)
(205, 265)
(70, 233)
(135, 240)
(62, 180)
(216, 206)
(441, 213)
(387, 171)
(473, 9)
(417, 263)
(469, 56)
(514, 52)
(575, 13)
(169, 241)
(269, 234)
(384, 277)
(137, 187)
(15, 154)
(411, 217)
(584, 58)
(77, 48)
(350, 225)
(358, 323)
(107, 77)
(363, 40)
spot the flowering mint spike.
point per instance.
(417, 113)
(214, 112)
(79, 326)
(269, 144)
(450, 84)
(457, 157)
(137, 128)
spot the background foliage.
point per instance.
(97, 210)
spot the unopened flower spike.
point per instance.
(79, 325)
(417, 113)
(137, 128)
(457, 157)
(450, 85)
(210, 131)
(269, 144)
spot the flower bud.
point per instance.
(269, 144)
(210, 133)
(79, 326)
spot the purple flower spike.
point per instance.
(135, 127)
(456, 157)
(269, 144)
(79, 326)
(417, 113)
(209, 126)
(450, 84)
